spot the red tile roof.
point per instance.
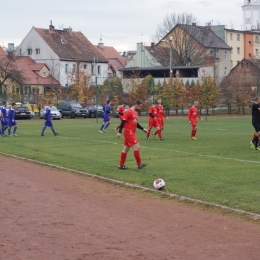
(70, 45)
(28, 67)
(2, 52)
(115, 60)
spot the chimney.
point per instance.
(10, 47)
(51, 26)
(152, 44)
(101, 45)
(193, 24)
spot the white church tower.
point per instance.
(251, 15)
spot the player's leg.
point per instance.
(193, 130)
(15, 129)
(137, 156)
(123, 156)
(107, 124)
(9, 130)
(43, 129)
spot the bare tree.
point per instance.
(180, 38)
(10, 71)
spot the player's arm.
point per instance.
(141, 128)
(189, 115)
(120, 128)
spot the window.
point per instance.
(238, 50)
(225, 55)
(225, 71)
(238, 37)
(44, 73)
(27, 90)
(37, 51)
(256, 39)
(85, 66)
(238, 62)
(256, 52)
(216, 54)
(231, 64)
(249, 55)
(249, 42)
(99, 70)
(29, 51)
(92, 69)
(231, 36)
(66, 68)
(74, 68)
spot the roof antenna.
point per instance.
(101, 37)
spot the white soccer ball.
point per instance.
(159, 184)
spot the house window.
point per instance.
(27, 90)
(66, 68)
(29, 51)
(231, 64)
(238, 62)
(74, 68)
(216, 55)
(225, 71)
(256, 39)
(44, 73)
(37, 51)
(238, 37)
(225, 55)
(256, 52)
(231, 36)
(249, 42)
(238, 50)
(99, 70)
(249, 55)
(85, 66)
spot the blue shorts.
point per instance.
(106, 119)
(12, 123)
(48, 123)
(4, 122)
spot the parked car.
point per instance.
(22, 113)
(115, 112)
(32, 114)
(72, 109)
(55, 113)
(93, 111)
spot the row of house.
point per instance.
(51, 57)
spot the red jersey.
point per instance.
(153, 111)
(160, 111)
(120, 112)
(131, 119)
(193, 114)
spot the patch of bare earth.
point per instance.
(50, 214)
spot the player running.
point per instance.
(106, 120)
(120, 111)
(160, 116)
(129, 123)
(256, 122)
(48, 120)
(153, 121)
(192, 116)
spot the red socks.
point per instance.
(137, 157)
(122, 159)
(193, 133)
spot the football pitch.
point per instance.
(220, 167)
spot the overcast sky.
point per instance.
(121, 23)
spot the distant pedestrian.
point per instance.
(12, 121)
(106, 119)
(48, 120)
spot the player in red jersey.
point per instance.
(120, 111)
(153, 121)
(192, 116)
(160, 116)
(129, 123)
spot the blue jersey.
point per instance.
(11, 117)
(107, 110)
(3, 112)
(48, 118)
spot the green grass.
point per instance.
(219, 167)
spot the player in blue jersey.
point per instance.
(4, 122)
(106, 120)
(11, 121)
(48, 120)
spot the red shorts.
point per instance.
(153, 123)
(193, 123)
(130, 139)
(161, 122)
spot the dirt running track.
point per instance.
(49, 214)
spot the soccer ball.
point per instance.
(159, 184)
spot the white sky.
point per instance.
(122, 23)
